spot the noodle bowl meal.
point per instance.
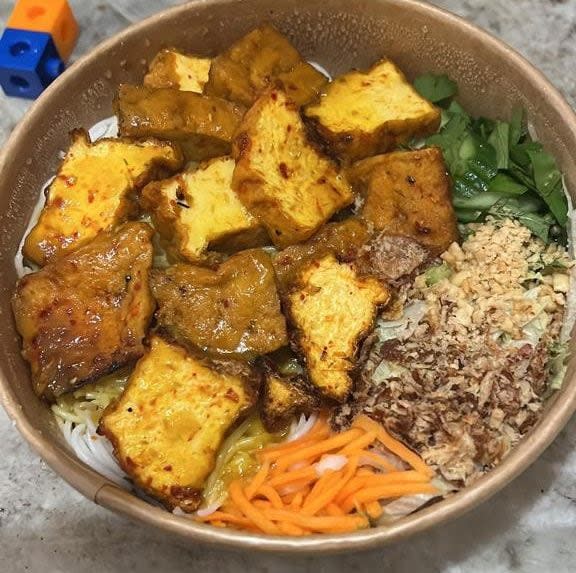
(278, 302)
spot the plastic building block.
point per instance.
(54, 17)
(29, 62)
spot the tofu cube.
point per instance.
(95, 190)
(197, 210)
(169, 423)
(285, 182)
(332, 310)
(408, 193)
(361, 114)
(172, 69)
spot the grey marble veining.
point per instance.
(45, 526)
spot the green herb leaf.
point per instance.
(504, 184)
(548, 181)
(517, 127)
(435, 274)
(499, 139)
(435, 88)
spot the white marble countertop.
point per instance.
(45, 526)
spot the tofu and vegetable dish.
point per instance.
(291, 304)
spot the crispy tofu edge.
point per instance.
(163, 74)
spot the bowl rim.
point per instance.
(100, 490)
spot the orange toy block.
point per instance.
(52, 16)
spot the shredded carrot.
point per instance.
(396, 447)
(289, 495)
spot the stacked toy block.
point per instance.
(38, 40)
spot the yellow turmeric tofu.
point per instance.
(280, 177)
(408, 193)
(168, 425)
(87, 313)
(364, 113)
(94, 190)
(197, 210)
(172, 69)
(202, 125)
(343, 238)
(332, 310)
(284, 398)
(233, 310)
(261, 59)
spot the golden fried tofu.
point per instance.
(261, 59)
(284, 181)
(231, 311)
(343, 239)
(332, 310)
(364, 113)
(283, 398)
(408, 193)
(172, 69)
(94, 190)
(168, 425)
(202, 125)
(85, 314)
(198, 209)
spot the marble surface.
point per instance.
(45, 526)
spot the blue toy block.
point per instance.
(29, 62)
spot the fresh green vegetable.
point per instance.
(435, 88)
(497, 169)
(435, 274)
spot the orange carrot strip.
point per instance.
(359, 443)
(374, 509)
(396, 447)
(318, 523)
(298, 499)
(252, 513)
(319, 431)
(356, 483)
(333, 509)
(379, 460)
(223, 517)
(291, 529)
(326, 496)
(261, 503)
(294, 487)
(272, 495)
(257, 480)
(384, 492)
(285, 478)
(317, 450)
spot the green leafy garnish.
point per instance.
(497, 169)
(438, 273)
(435, 88)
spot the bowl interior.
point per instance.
(339, 35)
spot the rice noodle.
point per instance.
(302, 427)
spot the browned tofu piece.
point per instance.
(332, 310)
(231, 311)
(173, 69)
(343, 239)
(198, 210)
(263, 58)
(285, 397)
(408, 193)
(86, 314)
(202, 125)
(94, 190)
(170, 421)
(281, 178)
(364, 113)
